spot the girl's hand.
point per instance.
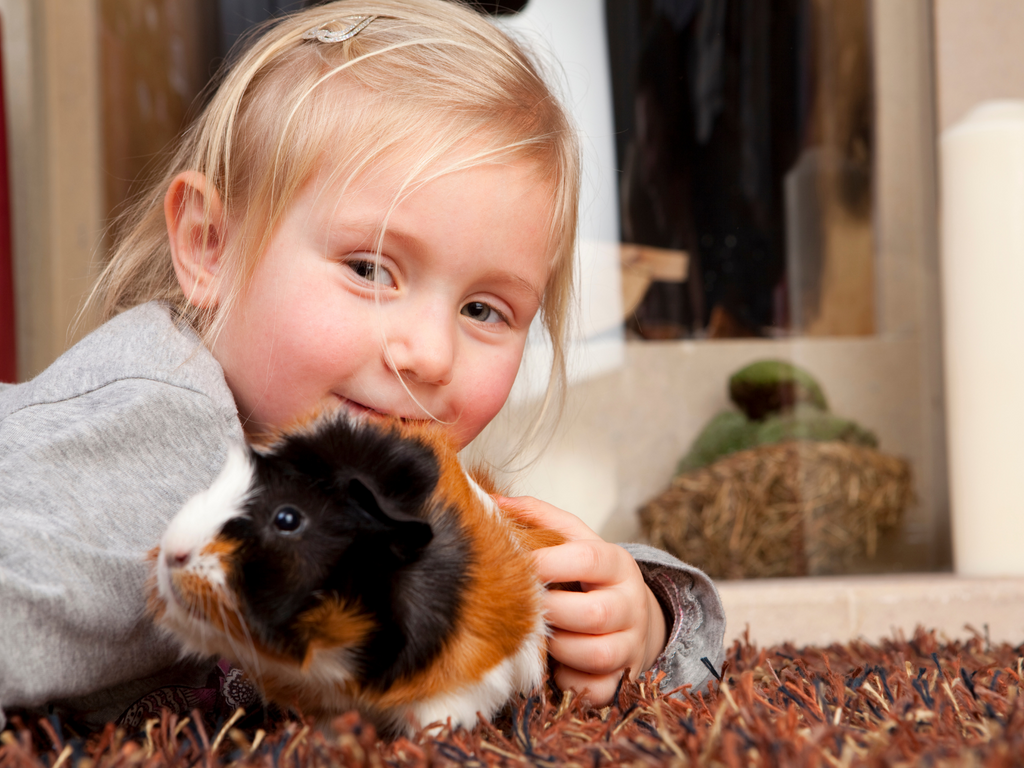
(614, 623)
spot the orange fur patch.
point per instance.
(334, 625)
(531, 536)
(221, 549)
(212, 604)
(501, 604)
(485, 480)
(303, 423)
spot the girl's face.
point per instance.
(463, 269)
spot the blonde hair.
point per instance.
(418, 87)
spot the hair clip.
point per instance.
(354, 25)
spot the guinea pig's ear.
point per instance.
(408, 535)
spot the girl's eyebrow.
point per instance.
(521, 285)
(370, 228)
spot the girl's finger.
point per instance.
(590, 562)
(588, 613)
(597, 689)
(547, 516)
(602, 655)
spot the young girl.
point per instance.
(376, 202)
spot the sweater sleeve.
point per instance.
(88, 485)
(694, 618)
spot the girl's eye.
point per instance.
(288, 519)
(372, 272)
(483, 313)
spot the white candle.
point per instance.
(982, 176)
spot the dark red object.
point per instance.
(8, 350)
(922, 700)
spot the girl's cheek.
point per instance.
(485, 390)
(477, 414)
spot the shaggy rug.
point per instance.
(925, 700)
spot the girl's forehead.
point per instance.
(388, 185)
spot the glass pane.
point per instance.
(745, 138)
(775, 177)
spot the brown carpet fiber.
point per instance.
(922, 700)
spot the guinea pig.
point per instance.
(354, 564)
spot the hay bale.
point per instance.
(796, 508)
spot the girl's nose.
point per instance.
(422, 345)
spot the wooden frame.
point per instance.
(52, 103)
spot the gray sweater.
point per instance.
(96, 455)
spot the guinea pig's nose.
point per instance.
(177, 559)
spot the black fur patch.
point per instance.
(372, 534)
(425, 602)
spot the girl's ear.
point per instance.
(196, 229)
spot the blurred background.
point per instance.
(763, 184)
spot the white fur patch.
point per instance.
(181, 550)
(520, 673)
(486, 499)
(203, 515)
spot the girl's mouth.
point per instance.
(358, 409)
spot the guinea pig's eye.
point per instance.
(288, 519)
